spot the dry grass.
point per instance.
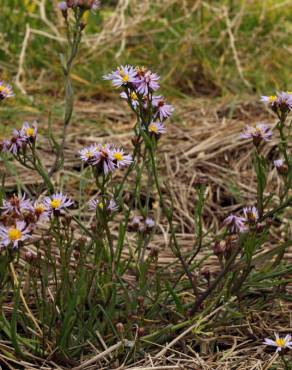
(204, 142)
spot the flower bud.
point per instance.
(206, 273)
(154, 251)
(140, 300)
(219, 247)
(141, 332)
(120, 328)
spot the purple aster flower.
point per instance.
(40, 211)
(16, 143)
(57, 202)
(163, 110)
(96, 203)
(156, 128)
(133, 98)
(147, 81)
(235, 224)
(146, 226)
(87, 4)
(281, 166)
(104, 159)
(251, 214)
(89, 153)
(258, 133)
(29, 132)
(284, 101)
(280, 343)
(121, 159)
(95, 5)
(270, 100)
(149, 223)
(4, 146)
(63, 6)
(281, 101)
(14, 234)
(16, 205)
(5, 91)
(123, 76)
(278, 163)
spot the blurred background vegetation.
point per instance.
(200, 48)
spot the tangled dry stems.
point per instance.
(203, 143)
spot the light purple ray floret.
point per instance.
(122, 76)
(110, 204)
(235, 224)
(279, 342)
(14, 234)
(164, 110)
(56, 202)
(156, 128)
(261, 131)
(5, 91)
(16, 205)
(278, 163)
(147, 82)
(251, 213)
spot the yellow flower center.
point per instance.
(251, 216)
(118, 156)
(125, 78)
(4, 89)
(153, 128)
(280, 342)
(101, 205)
(89, 154)
(55, 203)
(39, 208)
(29, 131)
(134, 96)
(14, 234)
(272, 98)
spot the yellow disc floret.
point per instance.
(55, 203)
(29, 131)
(280, 342)
(14, 234)
(153, 128)
(39, 208)
(118, 156)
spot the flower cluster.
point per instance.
(238, 224)
(5, 91)
(20, 216)
(139, 85)
(281, 102)
(20, 138)
(105, 158)
(141, 225)
(82, 4)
